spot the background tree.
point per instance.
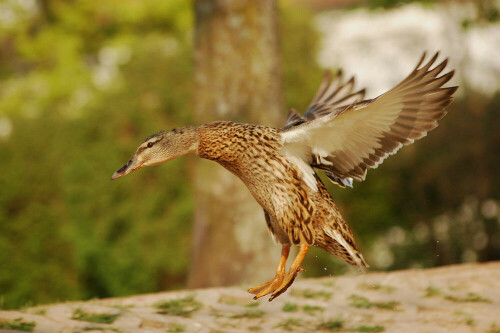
(238, 77)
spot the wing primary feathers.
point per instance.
(333, 94)
(346, 136)
(294, 118)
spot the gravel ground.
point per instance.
(460, 298)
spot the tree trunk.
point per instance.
(238, 79)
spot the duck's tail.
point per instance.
(342, 245)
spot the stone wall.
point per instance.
(461, 298)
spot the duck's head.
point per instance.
(159, 148)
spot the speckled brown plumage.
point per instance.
(295, 213)
(339, 133)
(251, 152)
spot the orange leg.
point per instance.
(292, 274)
(270, 286)
(282, 280)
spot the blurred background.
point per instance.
(82, 83)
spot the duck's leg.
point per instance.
(270, 286)
(292, 274)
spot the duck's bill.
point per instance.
(126, 169)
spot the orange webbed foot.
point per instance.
(282, 281)
(286, 283)
(268, 287)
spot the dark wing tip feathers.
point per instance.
(293, 119)
(333, 93)
(316, 109)
(422, 107)
(424, 100)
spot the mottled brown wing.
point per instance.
(347, 143)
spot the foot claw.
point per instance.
(282, 280)
(276, 286)
(284, 285)
(268, 287)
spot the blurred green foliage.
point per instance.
(81, 85)
(82, 82)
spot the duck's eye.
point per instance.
(150, 144)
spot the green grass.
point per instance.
(176, 328)
(252, 314)
(17, 324)
(431, 291)
(290, 307)
(377, 287)
(468, 319)
(367, 328)
(312, 294)
(308, 309)
(361, 302)
(331, 325)
(390, 305)
(289, 324)
(470, 297)
(101, 318)
(121, 306)
(335, 325)
(312, 309)
(183, 307)
(239, 301)
(39, 311)
(493, 328)
(252, 305)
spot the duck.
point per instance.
(340, 133)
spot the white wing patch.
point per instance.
(298, 155)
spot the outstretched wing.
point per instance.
(348, 142)
(333, 94)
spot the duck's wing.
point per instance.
(348, 142)
(294, 119)
(333, 94)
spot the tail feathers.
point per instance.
(364, 265)
(350, 254)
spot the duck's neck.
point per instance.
(189, 139)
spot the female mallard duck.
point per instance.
(339, 133)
